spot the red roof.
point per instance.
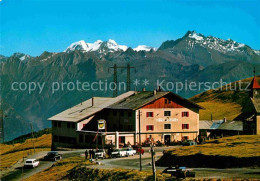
(255, 84)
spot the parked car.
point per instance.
(188, 143)
(130, 152)
(32, 163)
(100, 154)
(180, 172)
(53, 156)
(118, 153)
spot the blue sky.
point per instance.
(34, 26)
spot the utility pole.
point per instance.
(140, 154)
(128, 79)
(153, 161)
(32, 137)
(115, 81)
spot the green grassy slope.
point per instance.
(224, 102)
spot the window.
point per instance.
(185, 114)
(73, 125)
(55, 138)
(185, 126)
(87, 138)
(185, 138)
(167, 101)
(149, 128)
(68, 125)
(129, 114)
(167, 126)
(130, 127)
(114, 113)
(81, 138)
(167, 113)
(149, 114)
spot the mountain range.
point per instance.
(191, 58)
(103, 47)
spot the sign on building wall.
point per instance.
(101, 124)
(167, 120)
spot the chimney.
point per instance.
(154, 92)
(225, 119)
(92, 101)
(143, 89)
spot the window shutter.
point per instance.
(182, 126)
(188, 126)
(147, 114)
(182, 114)
(187, 114)
(152, 114)
(147, 128)
(152, 128)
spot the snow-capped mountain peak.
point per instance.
(99, 45)
(94, 46)
(112, 45)
(80, 45)
(211, 42)
(144, 48)
(195, 36)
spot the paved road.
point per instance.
(20, 173)
(133, 163)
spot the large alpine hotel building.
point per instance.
(163, 116)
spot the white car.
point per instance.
(31, 163)
(130, 152)
(118, 153)
(100, 154)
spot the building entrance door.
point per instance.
(122, 139)
(167, 139)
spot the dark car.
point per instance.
(53, 156)
(188, 143)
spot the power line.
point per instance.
(128, 78)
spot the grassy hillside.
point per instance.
(235, 151)
(219, 110)
(11, 154)
(23, 138)
(224, 102)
